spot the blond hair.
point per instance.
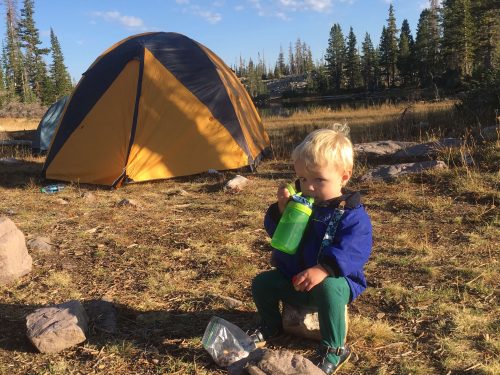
(325, 147)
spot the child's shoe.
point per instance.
(328, 367)
(260, 335)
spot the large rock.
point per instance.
(401, 151)
(490, 133)
(301, 321)
(52, 329)
(274, 362)
(304, 322)
(427, 149)
(388, 172)
(380, 149)
(14, 258)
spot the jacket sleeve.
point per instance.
(351, 246)
(272, 218)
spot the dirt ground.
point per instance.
(169, 261)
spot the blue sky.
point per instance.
(230, 28)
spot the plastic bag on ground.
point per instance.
(226, 342)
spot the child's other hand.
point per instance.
(308, 279)
(283, 196)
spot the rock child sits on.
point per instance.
(326, 271)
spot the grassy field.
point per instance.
(167, 263)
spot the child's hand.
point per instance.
(283, 196)
(308, 279)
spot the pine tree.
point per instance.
(291, 60)
(280, 64)
(308, 59)
(335, 57)
(368, 63)
(352, 62)
(16, 79)
(299, 59)
(61, 80)
(3, 93)
(486, 18)
(427, 48)
(458, 37)
(30, 41)
(384, 56)
(389, 48)
(405, 53)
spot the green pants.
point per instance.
(330, 297)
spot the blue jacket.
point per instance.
(348, 252)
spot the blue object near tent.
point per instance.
(47, 126)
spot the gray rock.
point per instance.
(301, 321)
(274, 362)
(304, 322)
(428, 148)
(40, 244)
(14, 258)
(381, 148)
(102, 314)
(128, 202)
(490, 133)
(52, 329)
(388, 172)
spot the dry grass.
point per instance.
(416, 121)
(18, 124)
(431, 305)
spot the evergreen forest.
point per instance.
(456, 48)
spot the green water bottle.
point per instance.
(293, 222)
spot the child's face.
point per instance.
(321, 182)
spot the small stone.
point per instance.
(236, 184)
(52, 329)
(40, 244)
(89, 197)
(128, 202)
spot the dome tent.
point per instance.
(154, 106)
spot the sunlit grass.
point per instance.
(431, 302)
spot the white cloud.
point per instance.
(300, 5)
(426, 4)
(205, 12)
(115, 16)
(282, 8)
(210, 17)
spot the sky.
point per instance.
(230, 28)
